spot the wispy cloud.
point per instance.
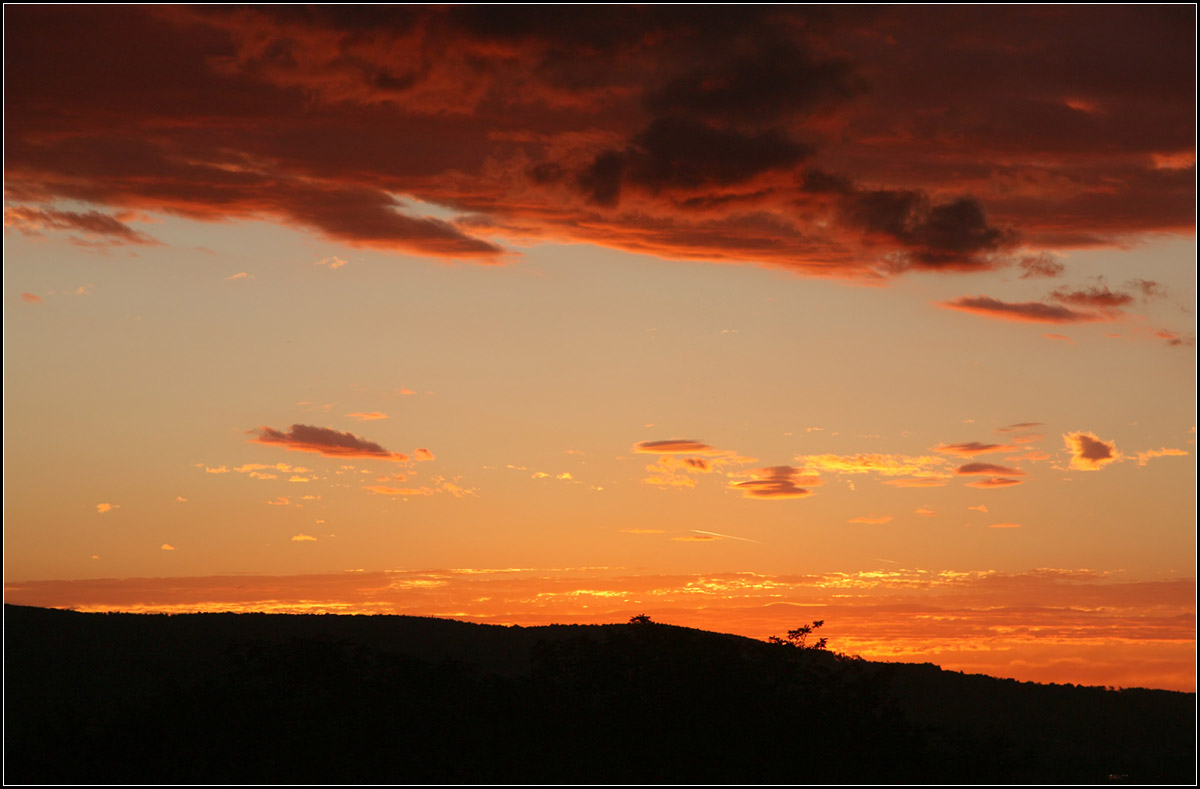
(325, 441)
(1145, 457)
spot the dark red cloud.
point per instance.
(32, 221)
(778, 482)
(325, 441)
(1089, 452)
(674, 446)
(1029, 311)
(833, 141)
(988, 468)
(1097, 296)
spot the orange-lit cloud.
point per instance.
(325, 441)
(368, 416)
(1005, 526)
(240, 275)
(778, 482)
(642, 531)
(1089, 452)
(972, 448)
(94, 224)
(925, 511)
(988, 468)
(304, 538)
(676, 446)
(422, 454)
(332, 262)
(522, 128)
(1059, 338)
(104, 507)
(871, 519)
(1145, 457)
(698, 538)
(1028, 311)
(30, 298)
(1098, 296)
(167, 547)
(386, 490)
(994, 482)
(979, 508)
(886, 465)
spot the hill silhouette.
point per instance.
(258, 698)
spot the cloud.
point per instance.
(925, 512)
(642, 531)
(239, 275)
(778, 482)
(304, 538)
(675, 446)
(325, 441)
(706, 143)
(30, 298)
(332, 262)
(698, 538)
(972, 448)
(994, 482)
(167, 547)
(279, 501)
(368, 416)
(871, 519)
(1059, 338)
(1174, 339)
(180, 499)
(979, 508)
(1029, 311)
(1040, 265)
(886, 465)
(385, 490)
(1097, 296)
(988, 468)
(1145, 457)
(1089, 452)
(1004, 526)
(30, 220)
(421, 454)
(104, 507)
(216, 470)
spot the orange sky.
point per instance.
(741, 320)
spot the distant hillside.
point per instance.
(257, 698)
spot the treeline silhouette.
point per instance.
(256, 698)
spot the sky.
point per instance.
(739, 318)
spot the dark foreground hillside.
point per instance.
(254, 698)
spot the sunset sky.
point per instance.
(737, 317)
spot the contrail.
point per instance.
(726, 536)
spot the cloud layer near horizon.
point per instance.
(851, 141)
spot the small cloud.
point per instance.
(304, 538)
(406, 391)
(280, 501)
(1043, 265)
(216, 470)
(421, 454)
(972, 448)
(642, 531)
(871, 519)
(104, 507)
(994, 482)
(988, 468)
(674, 446)
(1005, 526)
(1145, 457)
(1089, 452)
(325, 441)
(1059, 338)
(297, 478)
(925, 511)
(385, 490)
(697, 538)
(167, 547)
(979, 508)
(779, 482)
(331, 262)
(30, 298)
(566, 475)
(180, 499)
(368, 416)
(1029, 311)
(240, 275)
(1174, 339)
